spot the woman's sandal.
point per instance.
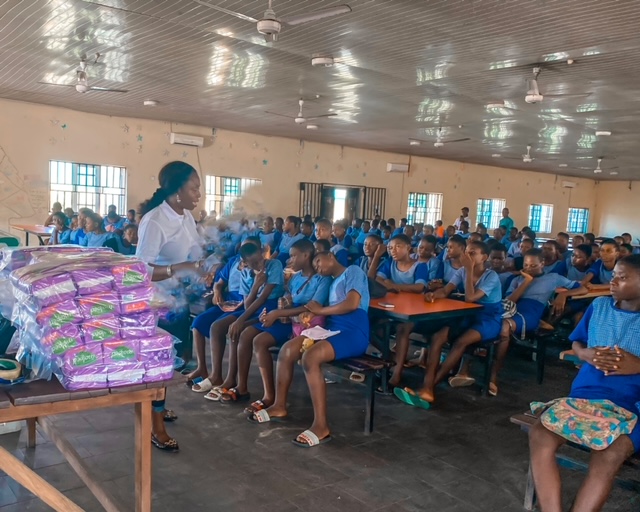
(309, 440)
(262, 416)
(256, 406)
(231, 396)
(201, 385)
(170, 416)
(215, 394)
(170, 446)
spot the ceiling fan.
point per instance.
(82, 79)
(270, 25)
(526, 158)
(534, 96)
(439, 141)
(598, 169)
(300, 118)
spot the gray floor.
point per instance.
(463, 455)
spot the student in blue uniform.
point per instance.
(481, 285)
(306, 228)
(269, 237)
(579, 263)
(599, 275)
(113, 223)
(531, 292)
(290, 236)
(399, 230)
(261, 285)
(347, 313)
(324, 232)
(303, 287)
(340, 236)
(607, 341)
(61, 233)
(563, 243)
(355, 229)
(375, 227)
(625, 250)
(497, 263)
(402, 274)
(386, 234)
(362, 236)
(464, 230)
(426, 254)
(227, 284)
(126, 242)
(554, 262)
(451, 258)
(322, 245)
(375, 253)
(95, 235)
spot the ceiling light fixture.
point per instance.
(150, 103)
(614, 173)
(496, 155)
(496, 104)
(563, 165)
(322, 60)
(602, 133)
(414, 142)
(312, 127)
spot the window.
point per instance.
(541, 217)
(92, 186)
(489, 212)
(578, 220)
(425, 208)
(222, 191)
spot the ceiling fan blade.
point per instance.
(281, 115)
(454, 140)
(106, 89)
(59, 85)
(563, 96)
(323, 115)
(317, 15)
(227, 11)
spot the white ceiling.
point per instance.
(406, 67)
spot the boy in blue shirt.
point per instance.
(399, 230)
(324, 232)
(362, 236)
(599, 275)
(290, 236)
(269, 237)
(306, 228)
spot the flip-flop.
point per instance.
(262, 416)
(231, 396)
(310, 440)
(493, 389)
(215, 394)
(410, 399)
(204, 385)
(256, 406)
(461, 381)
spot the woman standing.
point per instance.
(168, 241)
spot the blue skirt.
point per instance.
(488, 321)
(353, 339)
(280, 332)
(529, 314)
(203, 322)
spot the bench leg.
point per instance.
(369, 404)
(530, 492)
(541, 355)
(31, 432)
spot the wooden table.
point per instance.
(34, 229)
(606, 292)
(411, 307)
(35, 401)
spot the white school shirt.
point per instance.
(166, 238)
(456, 224)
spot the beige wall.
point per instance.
(617, 208)
(31, 135)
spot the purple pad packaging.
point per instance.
(101, 329)
(130, 275)
(121, 352)
(125, 374)
(157, 348)
(142, 325)
(136, 300)
(158, 371)
(91, 281)
(88, 377)
(79, 359)
(45, 290)
(55, 317)
(61, 340)
(99, 305)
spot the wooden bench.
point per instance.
(526, 421)
(358, 370)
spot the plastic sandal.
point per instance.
(309, 440)
(170, 446)
(256, 406)
(410, 399)
(204, 386)
(215, 394)
(231, 396)
(263, 417)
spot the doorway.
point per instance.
(341, 202)
(319, 200)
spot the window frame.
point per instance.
(582, 222)
(424, 207)
(540, 222)
(232, 188)
(489, 212)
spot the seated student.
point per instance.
(510, 238)
(131, 217)
(590, 238)
(606, 342)
(426, 254)
(55, 208)
(439, 232)
(269, 237)
(625, 250)
(261, 285)
(324, 232)
(74, 230)
(95, 235)
(577, 240)
(429, 230)
(290, 236)
(306, 228)
(125, 243)
(531, 292)
(399, 230)
(554, 262)
(410, 232)
(227, 285)
(304, 286)
(481, 285)
(375, 253)
(375, 227)
(354, 230)
(347, 313)
(595, 253)
(362, 236)
(497, 235)
(482, 230)
(451, 257)
(517, 263)
(619, 240)
(464, 229)
(322, 246)
(61, 233)
(340, 236)
(563, 242)
(580, 262)
(386, 234)
(474, 237)
(497, 262)
(68, 212)
(280, 224)
(627, 238)
(113, 223)
(402, 274)
(600, 273)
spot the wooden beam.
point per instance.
(143, 456)
(109, 503)
(36, 484)
(31, 432)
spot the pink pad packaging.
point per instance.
(101, 329)
(91, 281)
(142, 325)
(99, 305)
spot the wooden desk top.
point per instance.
(591, 295)
(36, 229)
(411, 306)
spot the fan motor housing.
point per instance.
(533, 98)
(269, 27)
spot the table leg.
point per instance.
(27, 238)
(31, 432)
(386, 355)
(143, 456)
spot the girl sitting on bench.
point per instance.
(607, 339)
